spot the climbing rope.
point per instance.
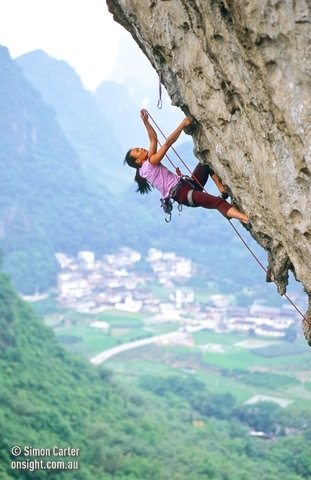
(268, 273)
(234, 228)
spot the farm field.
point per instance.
(212, 369)
(274, 367)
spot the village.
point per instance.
(91, 285)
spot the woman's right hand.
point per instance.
(187, 121)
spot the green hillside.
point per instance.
(46, 204)
(171, 427)
(88, 131)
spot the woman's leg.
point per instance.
(235, 213)
(206, 200)
(201, 173)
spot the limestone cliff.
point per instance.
(242, 69)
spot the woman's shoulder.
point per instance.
(147, 165)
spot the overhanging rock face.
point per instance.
(243, 70)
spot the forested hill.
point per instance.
(84, 125)
(50, 398)
(46, 201)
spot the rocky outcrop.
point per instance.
(243, 69)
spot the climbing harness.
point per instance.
(167, 203)
(268, 275)
(190, 199)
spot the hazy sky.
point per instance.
(84, 34)
(81, 32)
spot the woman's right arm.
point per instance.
(153, 139)
(159, 155)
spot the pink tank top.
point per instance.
(159, 176)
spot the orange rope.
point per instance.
(234, 228)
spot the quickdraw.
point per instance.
(159, 104)
(167, 205)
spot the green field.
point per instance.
(85, 339)
(210, 358)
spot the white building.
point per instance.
(259, 310)
(183, 267)
(86, 259)
(75, 289)
(123, 258)
(182, 296)
(268, 331)
(129, 305)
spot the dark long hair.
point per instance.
(143, 186)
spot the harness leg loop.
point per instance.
(190, 199)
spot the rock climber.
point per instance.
(150, 172)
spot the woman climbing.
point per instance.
(189, 192)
